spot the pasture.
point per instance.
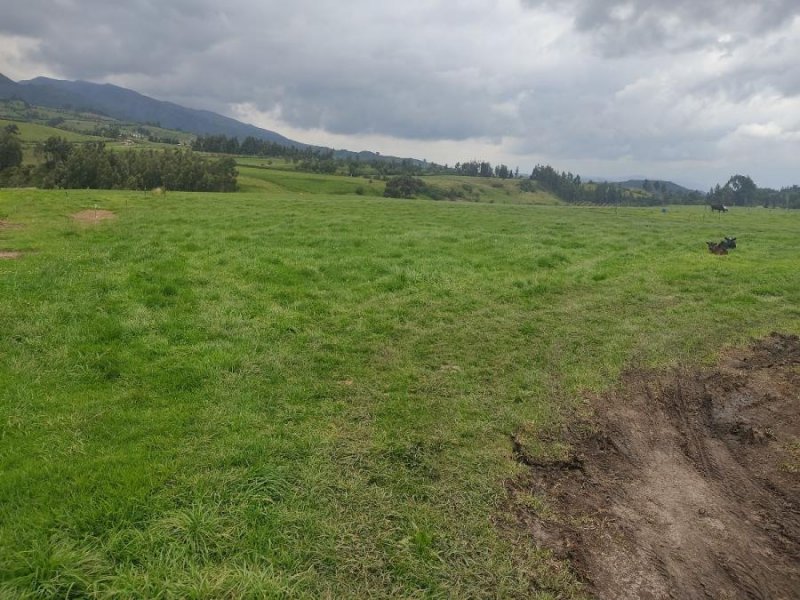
(268, 176)
(292, 393)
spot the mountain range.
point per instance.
(128, 105)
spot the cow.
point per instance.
(717, 248)
(728, 242)
(721, 208)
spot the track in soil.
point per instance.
(683, 485)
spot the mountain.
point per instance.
(38, 95)
(128, 105)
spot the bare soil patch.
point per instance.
(9, 225)
(9, 254)
(94, 215)
(682, 485)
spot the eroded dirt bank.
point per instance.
(682, 485)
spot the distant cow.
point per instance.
(729, 243)
(717, 248)
(719, 208)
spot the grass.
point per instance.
(479, 189)
(312, 395)
(270, 179)
(34, 133)
(261, 175)
(77, 127)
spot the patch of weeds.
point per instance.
(57, 567)
(792, 465)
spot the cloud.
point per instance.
(623, 27)
(613, 84)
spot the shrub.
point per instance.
(403, 186)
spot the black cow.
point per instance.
(729, 243)
(719, 208)
(716, 248)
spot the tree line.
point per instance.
(316, 160)
(480, 168)
(741, 190)
(91, 165)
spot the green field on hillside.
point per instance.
(312, 395)
(33, 132)
(268, 179)
(38, 123)
(256, 175)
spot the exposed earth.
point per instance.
(680, 485)
(93, 215)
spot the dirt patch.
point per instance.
(94, 215)
(9, 254)
(682, 485)
(9, 225)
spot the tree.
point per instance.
(403, 186)
(10, 150)
(54, 150)
(743, 188)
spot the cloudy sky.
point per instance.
(688, 90)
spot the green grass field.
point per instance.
(33, 133)
(289, 394)
(272, 180)
(259, 175)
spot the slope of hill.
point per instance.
(128, 105)
(31, 133)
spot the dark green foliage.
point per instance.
(10, 148)
(474, 168)
(564, 185)
(788, 197)
(92, 166)
(740, 190)
(403, 186)
(54, 150)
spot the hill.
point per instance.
(128, 105)
(650, 185)
(32, 133)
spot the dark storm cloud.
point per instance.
(566, 80)
(347, 69)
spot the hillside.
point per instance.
(649, 185)
(31, 133)
(128, 105)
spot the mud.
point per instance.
(680, 485)
(9, 254)
(93, 215)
